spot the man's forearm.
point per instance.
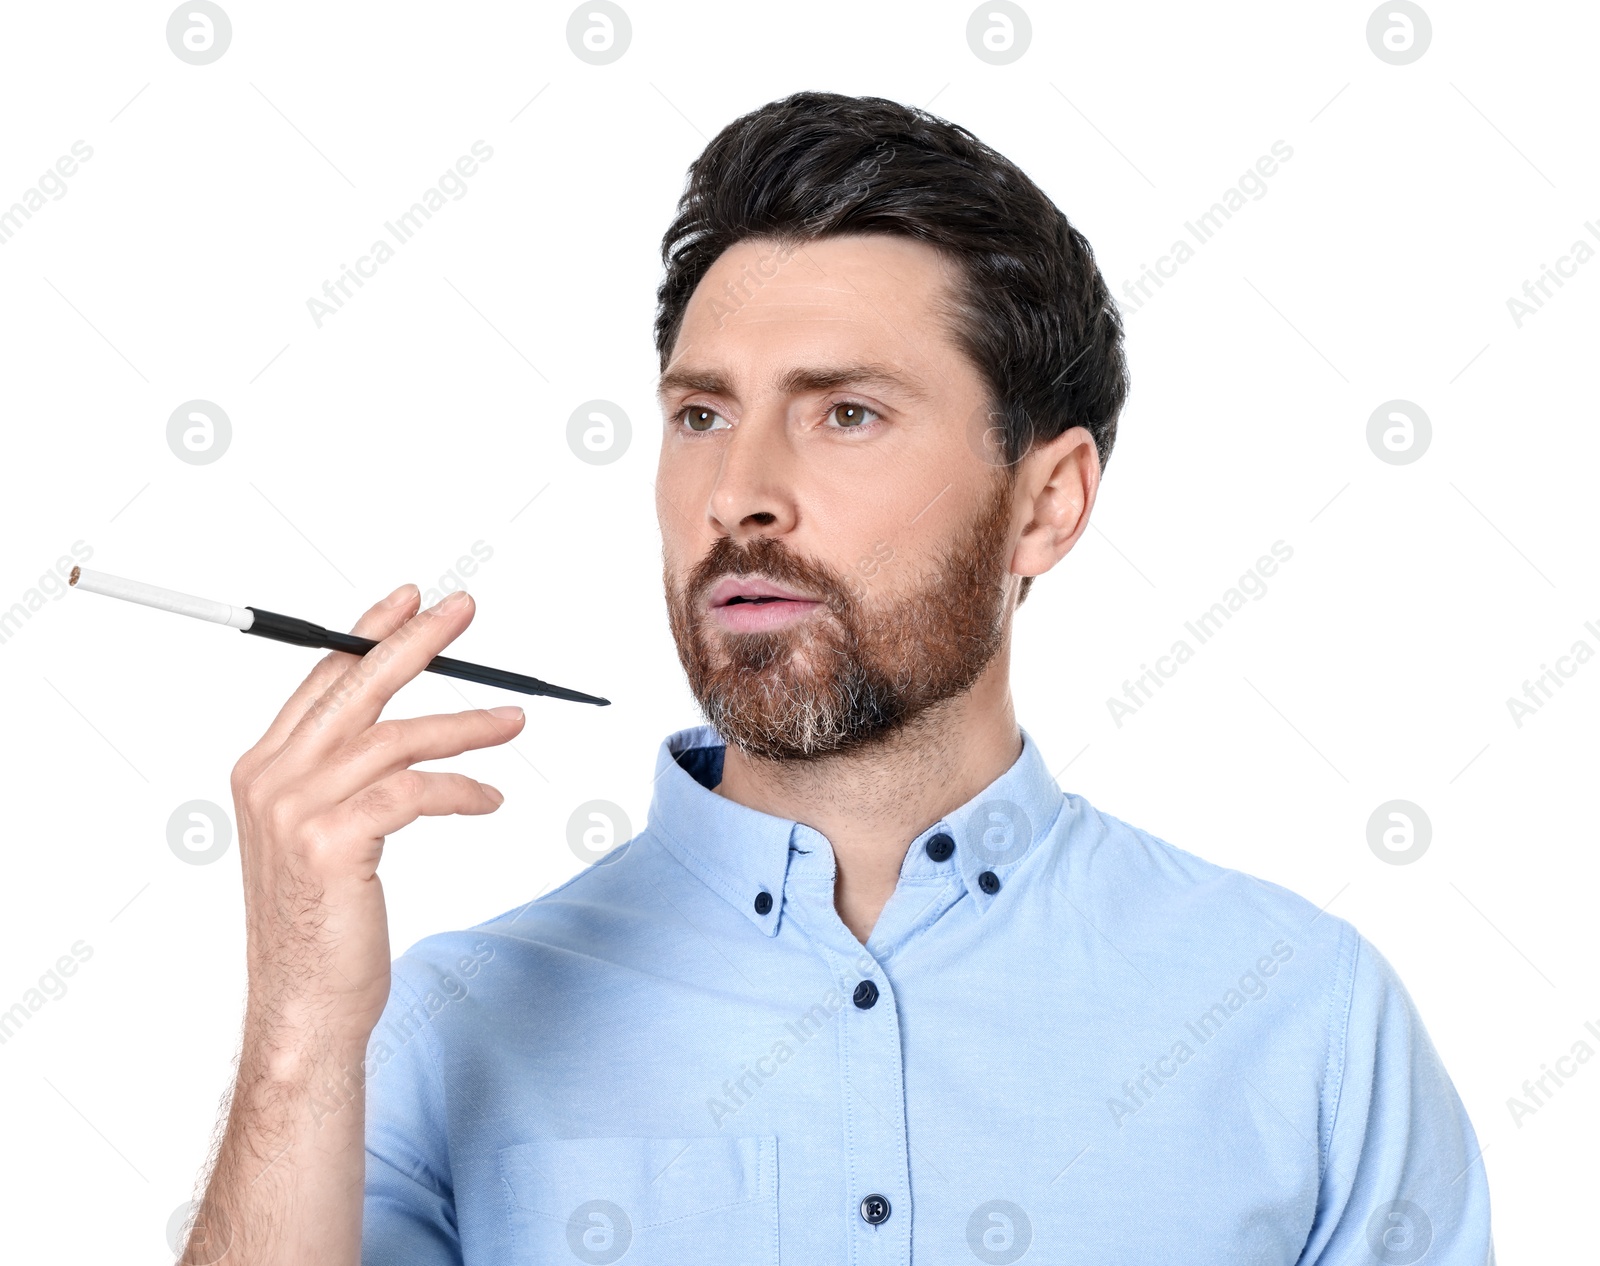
(287, 1184)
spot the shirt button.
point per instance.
(865, 995)
(874, 1209)
(989, 882)
(763, 902)
(939, 847)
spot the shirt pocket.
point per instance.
(594, 1200)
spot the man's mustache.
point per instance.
(767, 557)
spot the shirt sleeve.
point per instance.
(408, 1216)
(1403, 1178)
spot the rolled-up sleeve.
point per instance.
(1403, 1179)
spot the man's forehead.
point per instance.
(870, 281)
(863, 311)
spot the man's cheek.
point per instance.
(676, 565)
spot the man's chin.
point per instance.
(781, 662)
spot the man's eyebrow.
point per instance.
(802, 380)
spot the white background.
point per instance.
(431, 413)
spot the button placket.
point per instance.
(871, 1065)
(874, 1119)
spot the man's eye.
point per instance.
(701, 419)
(848, 415)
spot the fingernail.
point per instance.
(492, 793)
(401, 596)
(509, 712)
(452, 603)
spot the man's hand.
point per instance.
(315, 799)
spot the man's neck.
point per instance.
(870, 804)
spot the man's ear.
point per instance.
(1056, 483)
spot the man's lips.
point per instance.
(750, 604)
(736, 589)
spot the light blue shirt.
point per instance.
(1066, 1041)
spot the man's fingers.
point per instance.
(380, 620)
(403, 797)
(353, 702)
(390, 746)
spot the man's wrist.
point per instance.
(297, 1051)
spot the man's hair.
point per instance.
(1033, 315)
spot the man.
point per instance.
(869, 987)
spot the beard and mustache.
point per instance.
(855, 671)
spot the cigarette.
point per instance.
(297, 632)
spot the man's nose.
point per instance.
(754, 493)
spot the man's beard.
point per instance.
(854, 671)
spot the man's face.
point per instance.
(836, 546)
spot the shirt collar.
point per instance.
(740, 852)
